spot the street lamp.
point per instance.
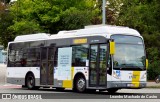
(104, 12)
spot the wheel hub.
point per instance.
(81, 83)
(30, 81)
(157, 80)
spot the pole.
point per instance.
(104, 12)
(4, 2)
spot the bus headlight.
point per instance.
(115, 75)
(144, 76)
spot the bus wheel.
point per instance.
(30, 82)
(80, 84)
(112, 90)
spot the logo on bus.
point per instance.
(133, 76)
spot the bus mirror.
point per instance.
(112, 47)
(146, 63)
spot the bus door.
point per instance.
(98, 65)
(47, 65)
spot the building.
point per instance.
(3, 55)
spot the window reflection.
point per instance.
(24, 54)
(79, 55)
(129, 55)
(129, 52)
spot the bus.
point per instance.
(98, 57)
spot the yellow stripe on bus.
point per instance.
(136, 78)
(69, 83)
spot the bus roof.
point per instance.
(87, 31)
(103, 30)
(39, 36)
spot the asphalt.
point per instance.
(3, 78)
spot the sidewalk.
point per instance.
(2, 74)
(150, 84)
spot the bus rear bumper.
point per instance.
(115, 84)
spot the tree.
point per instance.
(51, 15)
(6, 20)
(113, 8)
(144, 15)
(48, 16)
(5, 1)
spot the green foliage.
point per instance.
(5, 34)
(51, 15)
(144, 15)
(25, 27)
(112, 11)
(6, 20)
(153, 69)
(48, 16)
(74, 19)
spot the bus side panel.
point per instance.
(69, 83)
(84, 71)
(16, 75)
(128, 79)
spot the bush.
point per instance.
(153, 70)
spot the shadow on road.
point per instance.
(76, 93)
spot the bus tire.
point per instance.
(80, 85)
(30, 82)
(112, 90)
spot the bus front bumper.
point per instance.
(115, 84)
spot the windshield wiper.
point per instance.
(129, 67)
(136, 67)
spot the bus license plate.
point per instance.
(130, 85)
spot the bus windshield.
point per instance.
(129, 52)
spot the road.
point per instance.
(69, 96)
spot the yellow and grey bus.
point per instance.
(100, 57)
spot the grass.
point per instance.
(153, 86)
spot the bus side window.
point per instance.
(56, 58)
(11, 58)
(33, 57)
(80, 55)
